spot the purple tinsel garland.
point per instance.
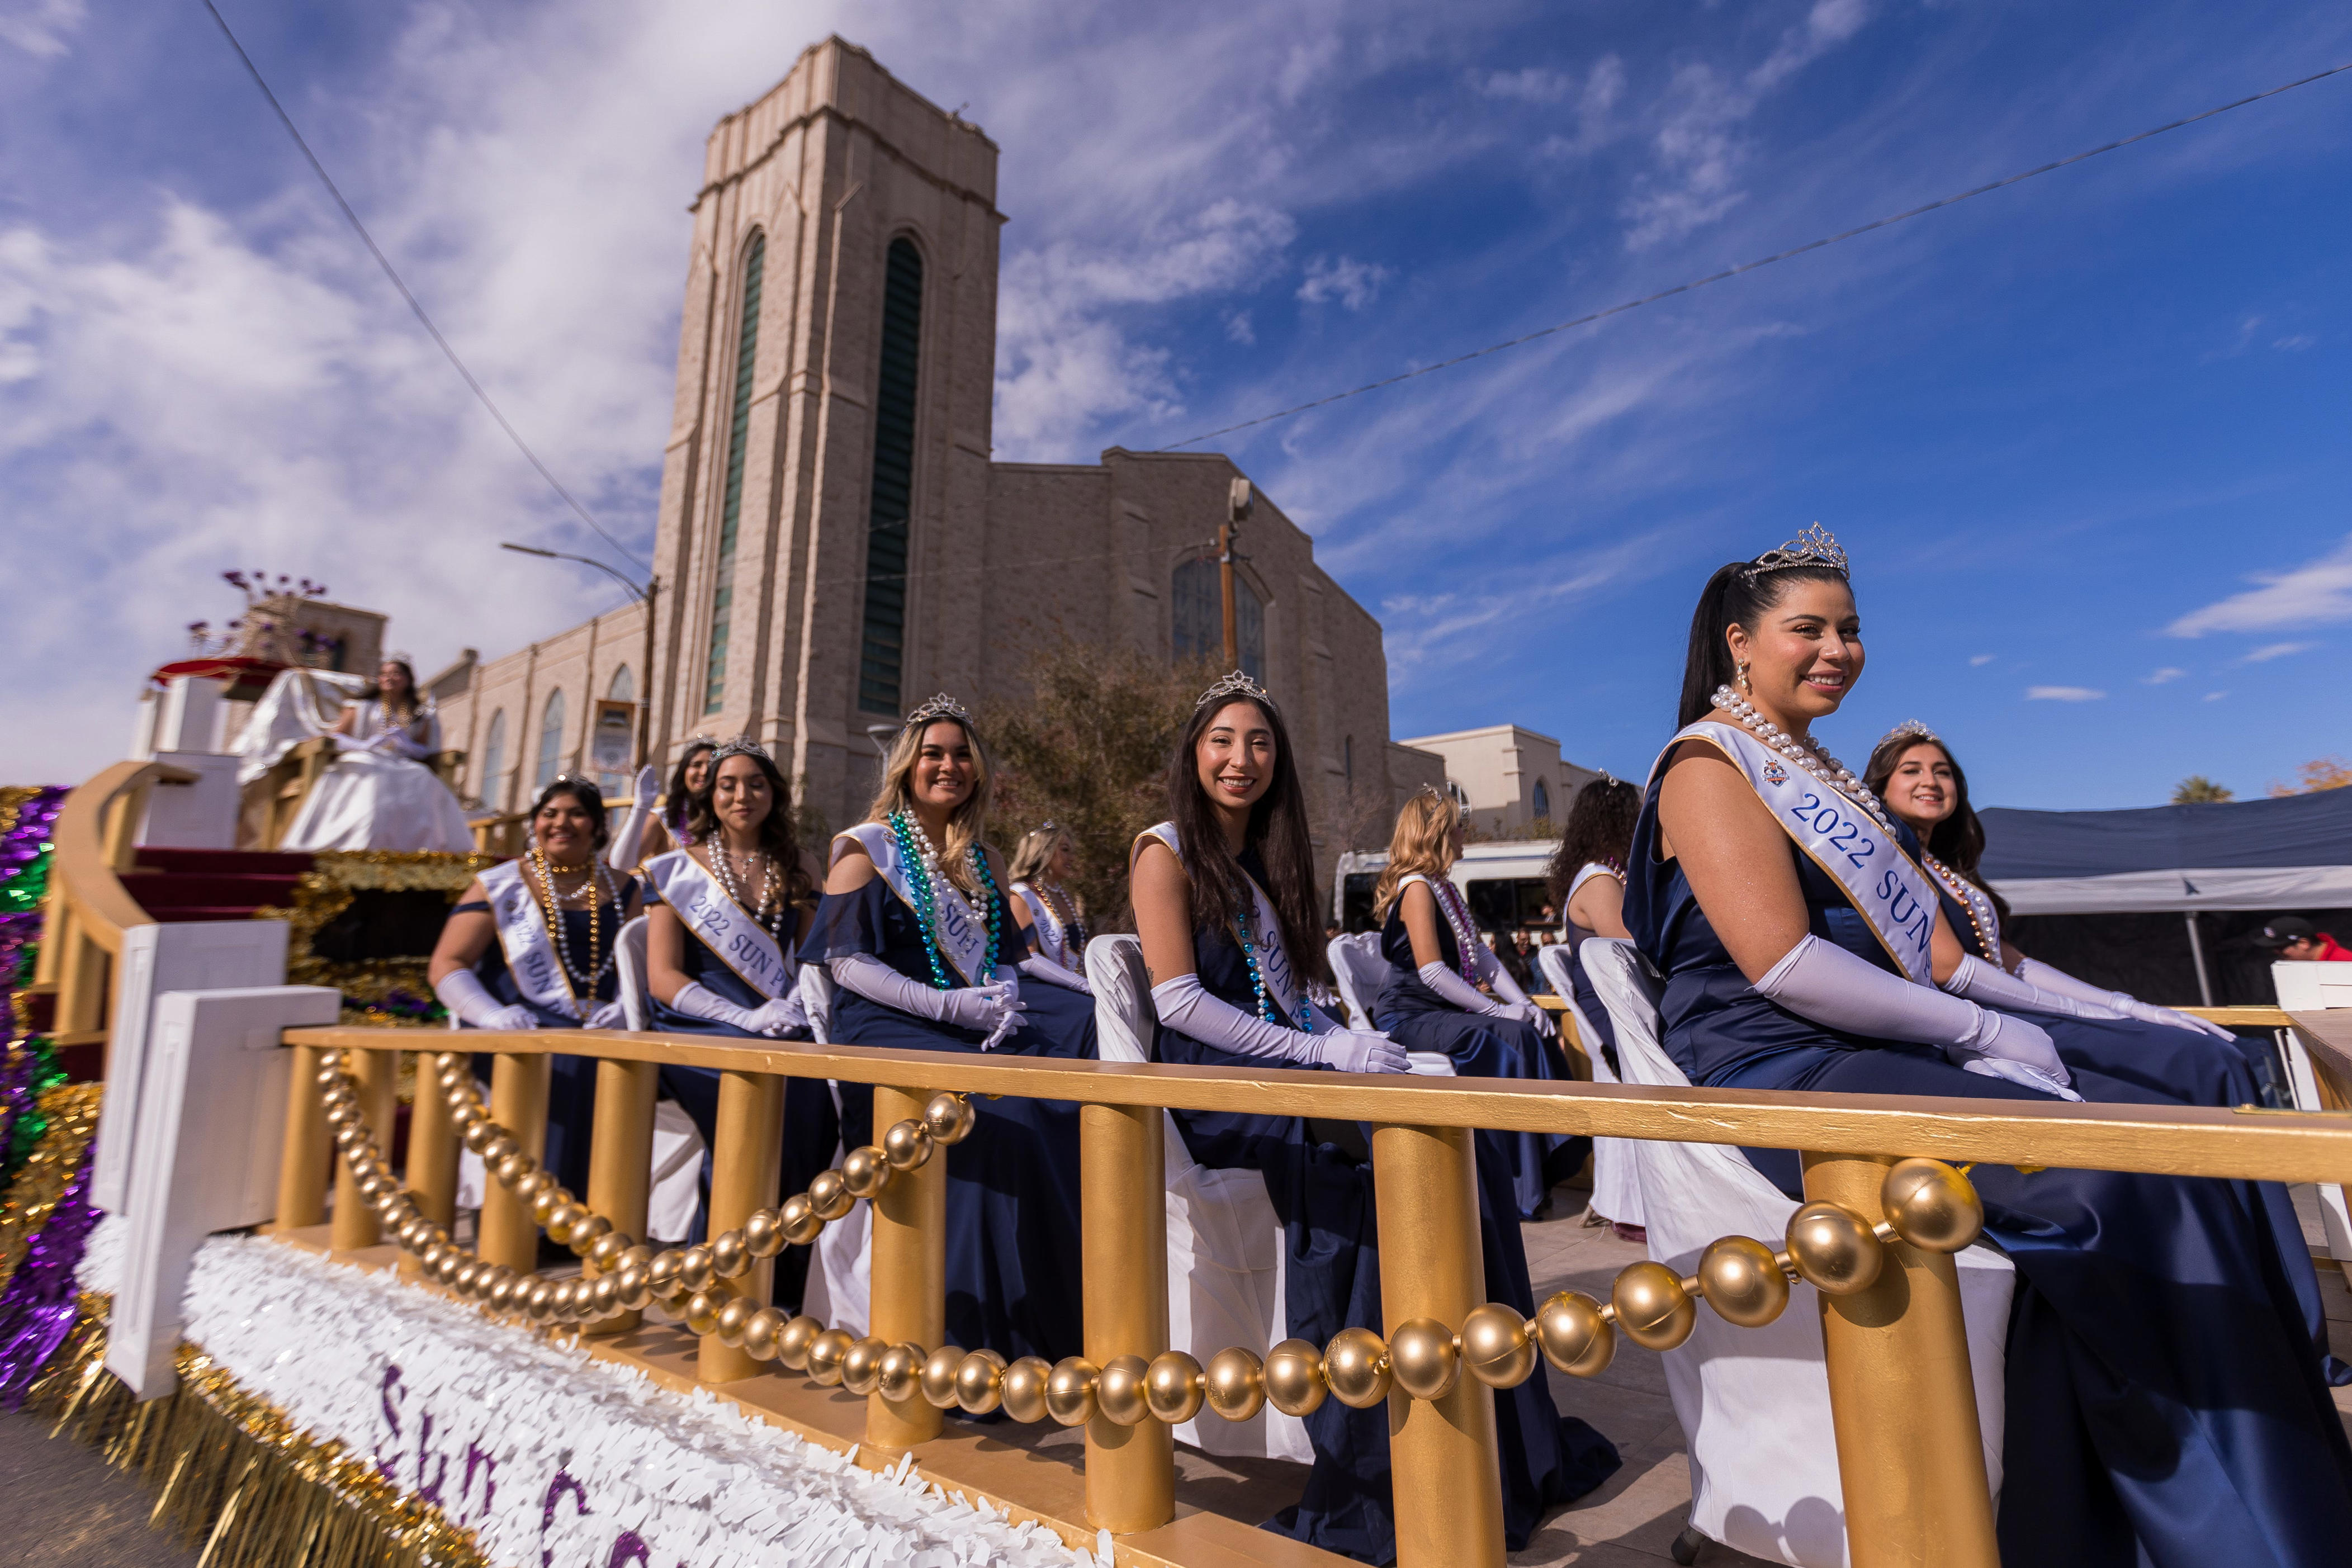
(38, 1309)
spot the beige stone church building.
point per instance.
(836, 542)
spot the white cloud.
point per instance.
(1354, 284)
(1829, 23)
(1979, 661)
(1596, 124)
(2311, 594)
(2215, 696)
(2063, 694)
(2294, 343)
(1238, 329)
(2161, 676)
(2265, 654)
(40, 27)
(1533, 85)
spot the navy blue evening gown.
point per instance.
(1418, 1019)
(1322, 1193)
(1013, 1186)
(2164, 1405)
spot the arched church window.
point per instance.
(738, 430)
(623, 688)
(1199, 618)
(489, 776)
(1542, 802)
(551, 740)
(881, 655)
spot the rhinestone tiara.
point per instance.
(739, 746)
(1237, 684)
(1911, 729)
(1814, 547)
(940, 706)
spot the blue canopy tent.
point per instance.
(2292, 854)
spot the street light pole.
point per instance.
(1239, 500)
(645, 596)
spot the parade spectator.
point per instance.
(2294, 940)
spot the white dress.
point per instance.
(377, 795)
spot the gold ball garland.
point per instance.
(1927, 1204)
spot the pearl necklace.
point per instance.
(767, 911)
(1449, 901)
(1810, 755)
(1972, 898)
(550, 903)
(1069, 932)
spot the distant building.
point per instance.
(836, 541)
(1510, 778)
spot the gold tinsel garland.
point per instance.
(325, 891)
(72, 1113)
(234, 1472)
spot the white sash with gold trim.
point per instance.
(523, 937)
(1273, 957)
(721, 924)
(961, 931)
(1886, 888)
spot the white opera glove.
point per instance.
(1186, 1006)
(1991, 985)
(985, 1008)
(1051, 974)
(621, 853)
(1361, 1051)
(697, 1000)
(1517, 1002)
(1450, 986)
(608, 1015)
(1823, 982)
(2034, 972)
(463, 993)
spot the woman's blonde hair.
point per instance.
(1424, 842)
(1036, 852)
(967, 826)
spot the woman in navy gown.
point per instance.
(2172, 1056)
(1447, 993)
(2163, 1402)
(1226, 904)
(530, 946)
(1587, 879)
(743, 888)
(927, 953)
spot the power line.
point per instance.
(384, 262)
(1752, 266)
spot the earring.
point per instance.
(1744, 687)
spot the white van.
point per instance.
(1503, 883)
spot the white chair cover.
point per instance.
(1357, 964)
(840, 1285)
(629, 960)
(677, 1187)
(1616, 1189)
(1754, 1403)
(1224, 1244)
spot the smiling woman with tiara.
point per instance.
(2164, 1402)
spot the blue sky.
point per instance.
(2086, 438)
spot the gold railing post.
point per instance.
(431, 1153)
(746, 1164)
(376, 1074)
(303, 1161)
(621, 1157)
(910, 1280)
(1448, 1490)
(1910, 1453)
(1123, 1198)
(121, 827)
(510, 1235)
(56, 925)
(81, 979)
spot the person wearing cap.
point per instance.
(2294, 940)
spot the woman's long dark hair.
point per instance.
(679, 805)
(1600, 828)
(584, 791)
(1731, 597)
(777, 836)
(1278, 830)
(1958, 840)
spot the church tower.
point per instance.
(827, 471)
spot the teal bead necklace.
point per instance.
(916, 853)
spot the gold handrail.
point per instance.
(94, 845)
(2162, 1141)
